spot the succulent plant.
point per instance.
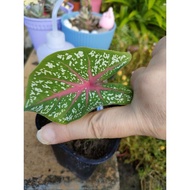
(68, 84)
(86, 20)
(41, 8)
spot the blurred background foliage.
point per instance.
(140, 24)
(140, 16)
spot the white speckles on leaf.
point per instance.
(50, 65)
(123, 57)
(39, 108)
(57, 75)
(38, 90)
(92, 53)
(104, 63)
(39, 81)
(33, 83)
(37, 73)
(63, 71)
(47, 108)
(74, 111)
(45, 86)
(59, 56)
(79, 105)
(48, 82)
(106, 56)
(79, 54)
(115, 58)
(98, 56)
(32, 93)
(68, 57)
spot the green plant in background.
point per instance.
(140, 24)
(141, 53)
(149, 156)
(141, 16)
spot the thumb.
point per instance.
(116, 122)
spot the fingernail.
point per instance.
(44, 136)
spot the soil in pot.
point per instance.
(91, 148)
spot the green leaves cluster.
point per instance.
(141, 16)
(149, 156)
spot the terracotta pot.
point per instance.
(76, 5)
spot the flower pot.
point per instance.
(96, 5)
(38, 27)
(99, 41)
(79, 165)
(76, 5)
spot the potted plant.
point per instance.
(38, 21)
(89, 29)
(68, 84)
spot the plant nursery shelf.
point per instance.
(41, 169)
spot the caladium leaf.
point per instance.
(68, 84)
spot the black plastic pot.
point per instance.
(80, 166)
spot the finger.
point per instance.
(98, 124)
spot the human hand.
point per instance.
(146, 115)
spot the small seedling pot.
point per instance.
(82, 167)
